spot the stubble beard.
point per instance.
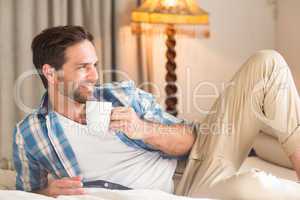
(73, 91)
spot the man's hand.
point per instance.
(174, 139)
(125, 119)
(64, 186)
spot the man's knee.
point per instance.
(268, 54)
(268, 58)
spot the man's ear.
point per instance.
(49, 73)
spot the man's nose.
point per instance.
(93, 74)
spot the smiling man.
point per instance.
(144, 142)
(55, 139)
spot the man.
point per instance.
(144, 143)
(54, 140)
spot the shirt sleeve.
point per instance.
(153, 112)
(30, 175)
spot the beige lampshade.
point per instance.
(170, 12)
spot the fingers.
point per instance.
(121, 109)
(72, 191)
(68, 183)
(66, 191)
(120, 116)
(118, 124)
(122, 113)
(76, 178)
(125, 119)
(65, 186)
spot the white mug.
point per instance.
(98, 116)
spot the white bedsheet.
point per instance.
(97, 194)
(7, 192)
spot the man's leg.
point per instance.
(262, 95)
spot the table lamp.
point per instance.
(170, 13)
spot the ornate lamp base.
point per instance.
(171, 78)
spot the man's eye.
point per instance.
(81, 69)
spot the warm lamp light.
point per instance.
(169, 3)
(170, 12)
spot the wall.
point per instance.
(287, 35)
(238, 29)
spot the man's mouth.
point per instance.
(89, 87)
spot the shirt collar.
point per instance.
(44, 106)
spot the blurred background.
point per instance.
(237, 29)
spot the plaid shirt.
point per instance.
(40, 146)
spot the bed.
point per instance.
(96, 194)
(270, 158)
(8, 192)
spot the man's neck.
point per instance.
(67, 107)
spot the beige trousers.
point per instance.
(261, 96)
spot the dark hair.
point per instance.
(49, 46)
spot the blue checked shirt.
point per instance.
(40, 146)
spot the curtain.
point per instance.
(20, 20)
(134, 51)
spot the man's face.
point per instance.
(78, 75)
